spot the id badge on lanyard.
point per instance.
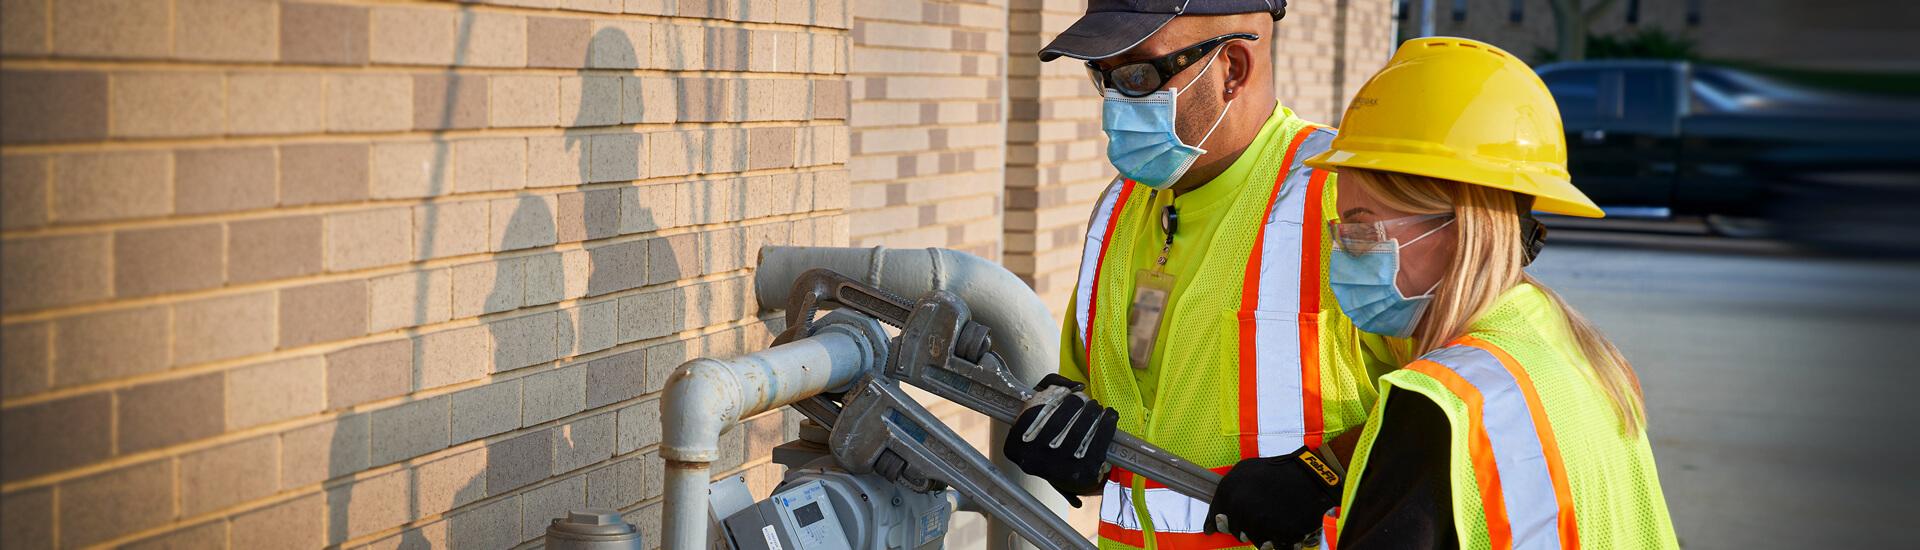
(1152, 292)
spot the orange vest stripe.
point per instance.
(1479, 450)
(1569, 529)
(1250, 300)
(1309, 322)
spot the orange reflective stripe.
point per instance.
(1330, 529)
(1093, 303)
(1309, 312)
(1250, 300)
(1479, 450)
(1569, 530)
(1197, 541)
(1130, 537)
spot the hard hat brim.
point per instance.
(1545, 189)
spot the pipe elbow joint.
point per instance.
(702, 398)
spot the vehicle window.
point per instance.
(1647, 96)
(1579, 94)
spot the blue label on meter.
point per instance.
(933, 524)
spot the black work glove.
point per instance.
(1274, 502)
(1062, 437)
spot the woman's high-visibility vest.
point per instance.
(1260, 361)
(1539, 459)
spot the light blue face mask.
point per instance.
(1365, 287)
(1141, 141)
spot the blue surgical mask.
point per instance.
(1365, 287)
(1141, 141)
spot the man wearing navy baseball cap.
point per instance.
(1202, 322)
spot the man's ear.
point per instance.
(1239, 54)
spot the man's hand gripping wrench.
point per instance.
(943, 352)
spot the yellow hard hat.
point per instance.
(1461, 110)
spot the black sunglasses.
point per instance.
(1143, 78)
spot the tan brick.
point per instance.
(486, 410)
(639, 426)
(223, 180)
(453, 356)
(487, 287)
(26, 516)
(56, 435)
(675, 153)
(291, 525)
(111, 28)
(124, 500)
(545, 279)
(160, 414)
(323, 451)
(444, 101)
(410, 299)
(323, 33)
(619, 157)
(171, 259)
(374, 238)
(111, 186)
(522, 222)
(109, 345)
(23, 31)
(450, 482)
(275, 103)
(322, 313)
(53, 106)
(553, 394)
(589, 328)
(212, 534)
(589, 215)
(442, 230)
(602, 6)
(557, 43)
(616, 267)
(576, 267)
(368, 373)
(230, 474)
(523, 341)
(23, 191)
(490, 165)
(621, 45)
(557, 161)
(672, 258)
(368, 505)
(28, 348)
(273, 248)
(726, 151)
(492, 525)
(525, 101)
(46, 272)
(647, 208)
(540, 505)
(678, 48)
(707, 100)
(770, 148)
(651, 7)
(589, 100)
(830, 100)
(413, 36)
(322, 173)
(409, 430)
(650, 315)
(615, 379)
(167, 104)
(275, 391)
(648, 100)
(583, 442)
(225, 30)
(223, 327)
(369, 103)
(494, 40)
(408, 169)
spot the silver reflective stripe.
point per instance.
(1526, 483)
(1116, 506)
(1171, 512)
(1090, 258)
(1281, 402)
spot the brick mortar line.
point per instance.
(88, 228)
(401, 136)
(259, 67)
(553, 12)
(382, 271)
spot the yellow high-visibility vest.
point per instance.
(1539, 460)
(1259, 358)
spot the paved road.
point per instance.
(1783, 389)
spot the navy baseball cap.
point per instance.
(1114, 26)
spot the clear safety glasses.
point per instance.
(1365, 237)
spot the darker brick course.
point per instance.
(172, 412)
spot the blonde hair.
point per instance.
(1486, 262)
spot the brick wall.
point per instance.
(927, 138)
(355, 273)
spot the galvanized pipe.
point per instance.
(1024, 332)
(706, 397)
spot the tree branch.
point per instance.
(1600, 8)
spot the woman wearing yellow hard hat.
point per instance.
(1512, 422)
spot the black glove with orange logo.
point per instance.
(1275, 502)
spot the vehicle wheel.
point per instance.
(1739, 227)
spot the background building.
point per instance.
(364, 273)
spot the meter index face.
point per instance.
(811, 519)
